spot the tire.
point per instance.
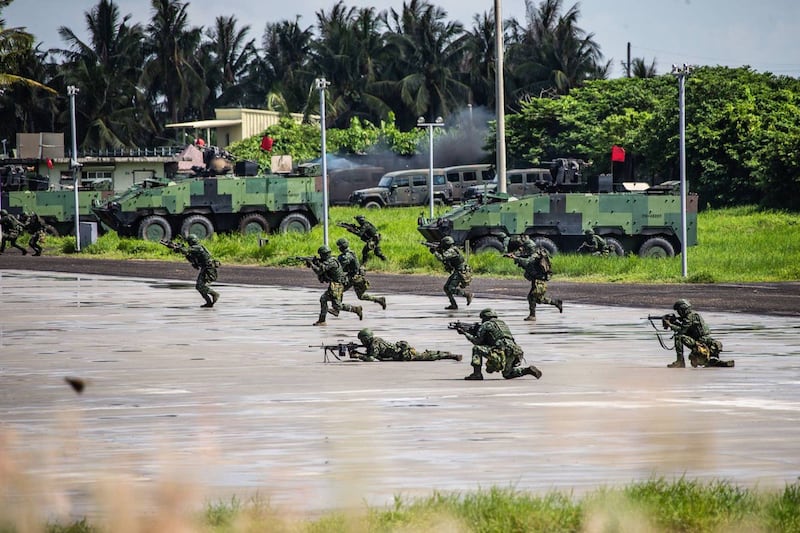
(656, 247)
(547, 244)
(51, 230)
(253, 224)
(488, 244)
(155, 228)
(372, 204)
(296, 222)
(198, 225)
(616, 246)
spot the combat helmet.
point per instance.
(192, 239)
(3, 212)
(324, 251)
(682, 305)
(360, 218)
(487, 313)
(589, 231)
(365, 334)
(342, 243)
(448, 241)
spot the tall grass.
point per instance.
(741, 244)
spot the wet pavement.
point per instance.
(237, 400)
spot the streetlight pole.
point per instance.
(500, 103)
(322, 84)
(430, 125)
(74, 165)
(681, 72)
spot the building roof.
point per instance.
(204, 124)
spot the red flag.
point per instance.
(617, 154)
(266, 143)
(49, 163)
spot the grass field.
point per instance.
(735, 245)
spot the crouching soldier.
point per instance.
(378, 349)
(494, 343)
(691, 331)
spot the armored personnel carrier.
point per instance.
(158, 209)
(633, 218)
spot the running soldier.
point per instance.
(356, 276)
(36, 228)
(537, 270)
(200, 258)
(460, 272)
(12, 228)
(328, 270)
(368, 233)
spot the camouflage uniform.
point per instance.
(36, 228)
(533, 273)
(494, 343)
(328, 270)
(691, 331)
(355, 274)
(12, 228)
(594, 244)
(460, 272)
(525, 247)
(200, 258)
(372, 239)
(380, 350)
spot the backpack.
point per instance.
(543, 263)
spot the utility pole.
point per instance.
(500, 103)
(322, 84)
(430, 125)
(628, 65)
(74, 166)
(681, 72)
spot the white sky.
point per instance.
(763, 35)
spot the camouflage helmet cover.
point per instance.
(589, 231)
(3, 212)
(192, 239)
(448, 241)
(323, 250)
(682, 304)
(342, 243)
(488, 313)
(365, 333)
(360, 218)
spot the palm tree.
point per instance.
(106, 70)
(640, 69)
(427, 53)
(479, 61)
(227, 54)
(287, 49)
(15, 47)
(350, 51)
(171, 71)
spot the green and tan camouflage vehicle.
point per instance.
(646, 222)
(159, 209)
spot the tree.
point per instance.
(287, 49)
(227, 55)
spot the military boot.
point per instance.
(208, 303)
(531, 317)
(214, 297)
(453, 356)
(560, 305)
(532, 371)
(357, 310)
(382, 302)
(468, 296)
(476, 374)
(678, 363)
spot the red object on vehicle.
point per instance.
(266, 143)
(200, 142)
(617, 154)
(49, 163)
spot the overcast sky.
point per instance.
(763, 35)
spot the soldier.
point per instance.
(36, 229)
(691, 331)
(380, 350)
(355, 274)
(368, 233)
(594, 244)
(328, 270)
(537, 270)
(12, 228)
(200, 258)
(525, 246)
(493, 342)
(460, 272)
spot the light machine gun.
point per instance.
(665, 321)
(339, 351)
(432, 246)
(464, 327)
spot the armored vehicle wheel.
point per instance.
(199, 225)
(155, 228)
(488, 244)
(372, 204)
(547, 244)
(616, 246)
(51, 230)
(253, 224)
(295, 222)
(656, 247)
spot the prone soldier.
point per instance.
(368, 233)
(457, 283)
(200, 258)
(354, 271)
(378, 349)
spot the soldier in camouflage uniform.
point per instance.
(372, 239)
(328, 270)
(536, 270)
(356, 277)
(12, 228)
(691, 331)
(594, 244)
(380, 350)
(200, 258)
(36, 229)
(460, 272)
(525, 247)
(494, 343)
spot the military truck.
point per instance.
(404, 188)
(157, 209)
(646, 221)
(22, 191)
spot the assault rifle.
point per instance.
(307, 259)
(352, 228)
(431, 245)
(339, 351)
(172, 245)
(665, 319)
(464, 327)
